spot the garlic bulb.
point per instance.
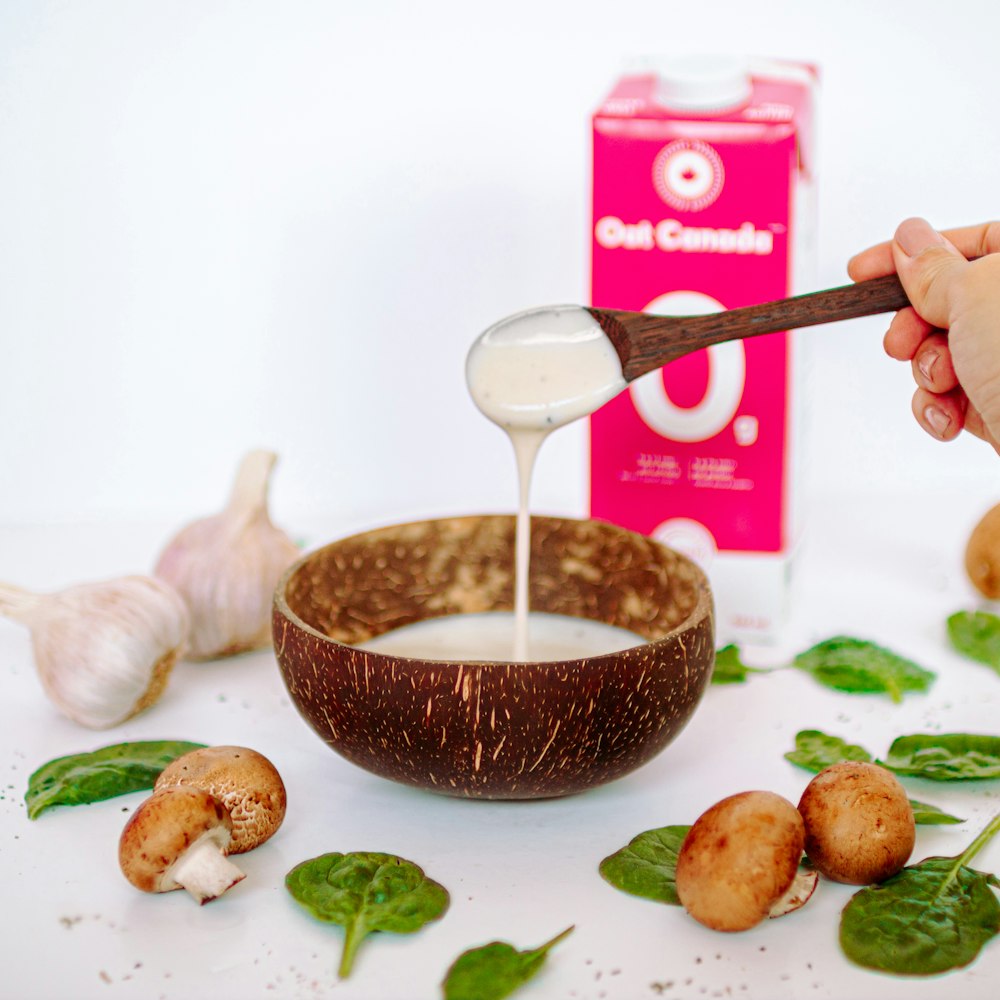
(103, 651)
(227, 566)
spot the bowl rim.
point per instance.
(703, 606)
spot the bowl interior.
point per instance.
(360, 587)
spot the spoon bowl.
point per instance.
(542, 368)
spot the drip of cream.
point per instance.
(530, 374)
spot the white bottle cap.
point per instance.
(703, 83)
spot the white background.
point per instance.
(231, 225)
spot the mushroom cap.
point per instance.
(738, 859)
(859, 823)
(246, 783)
(163, 828)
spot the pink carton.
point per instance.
(697, 211)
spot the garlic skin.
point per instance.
(226, 567)
(103, 651)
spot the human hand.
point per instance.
(951, 332)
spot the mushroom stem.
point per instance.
(205, 871)
(797, 894)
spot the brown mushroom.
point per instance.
(244, 781)
(177, 839)
(739, 859)
(859, 823)
(982, 554)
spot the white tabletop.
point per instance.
(74, 928)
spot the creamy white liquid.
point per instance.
(531, 373)
(489, 636)
(540, 369)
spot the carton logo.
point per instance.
(688, 175)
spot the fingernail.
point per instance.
(937, 420)
(926, 364)
(916, 235)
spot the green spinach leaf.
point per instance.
(945, 756)
(647, 865)
(976, 634)
(83, 778)
(929, 918)
(928, 815)
(861, 667)
(495, 970)
(815, 750)
(366, 891)
(730, 668)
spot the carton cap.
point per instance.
(703, 83)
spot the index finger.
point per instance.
(970, 241)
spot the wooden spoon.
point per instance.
(644, 341)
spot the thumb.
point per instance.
(929, 267)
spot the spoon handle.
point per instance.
(863, 298)
(644, 341)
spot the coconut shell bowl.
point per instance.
(494, 730)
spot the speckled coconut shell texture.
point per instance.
(483, 729)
